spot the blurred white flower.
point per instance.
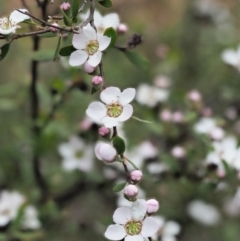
(157, 168)
(76, 155)
(30, 219)
(103, 22)
(168, 229)
(232, 206)
(204, 213)
(10, 24)
(226, 150)
(232, 57)
(151, 95)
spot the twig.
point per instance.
(102, 74)
(82, 7)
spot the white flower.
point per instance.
(89, 47)
(30, 220)
(232, 206)
(117, 108)
(204, 213)
(232, 57)
(76, 155)
(9, 25)
(103, 22)
(205, 125)
(151, 95)
(131, 223)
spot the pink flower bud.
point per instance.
(221, 173)
(65, 6)
(54, 29)
(122, 28)
(105, 152)
(207, 111)
(103, 131)
(136, 175)
(194, 96)
(97, 80)
(178, 152)
(166, 115)
(152, 205)
(217, 134)
(88, 68)
(177, 117)
(131, 190)
(85, 124)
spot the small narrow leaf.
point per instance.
(111, 33)
(119, 187)
(137, 59)
(134, 166)
(66, 19)
(141, 120)
(43, 55)
(4, 51)
(105, 3)
(75, 7)
(93, 91)
(48, 35)
(119, 145)
(67, 50)
(57, 49)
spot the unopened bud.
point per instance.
(88, 68)
(217, 134)
(65, 6)
(103, 131)
(194, 96)
(177, 117)
(152, 205)
(105, 152)
(166, 115)
(122, 28)
(136, 175)
(178, 152)
(54, 29)
(131, 190)
(97, 80)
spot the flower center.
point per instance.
(133, 227)
(114, 110)
(6, 23)
(79, 154)
(92, 47)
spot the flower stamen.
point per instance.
(114, 110)
(133, 227)
(92, 47)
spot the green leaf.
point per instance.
(119, 145)
(43, 55)
(58, 48)
(141, 120)
(93, 91)
(48, 35)
(134, 166)
(119, 186)
(75, 8)
(4, 51)
(66, 18)
(137, 59)
(111, 33)
(67, 50)
(105, 3)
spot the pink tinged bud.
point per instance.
(85, 124)
(207, 111)
(221, 173)
(105, 152)
(177, 117)
(136, 175)
(54, 29)
(122, 28)
(152, 205)
(88, 68)
(217, 134)
(131, 190)
(178, 152)
(65, 6)
(166, 115)
(194, 96)
(97, 80)
(103, 131)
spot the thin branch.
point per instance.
(82, 7)
(102, 74)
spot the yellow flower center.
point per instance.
(6, 23)
(114, 110)
(92, 47)
(133, 227)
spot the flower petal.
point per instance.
(96, 110)
(79, 41)
(103, 41)
(150, 227)
(139, 209)
(95, 59)
(8, 31)
(134, 238)
(230, 57)
(110, 95)
(111, 20)
(18, 17)
(109, 122)
(122, 215)
(127, 96)
(78, 57)
(126, 114)
(115, 232)
(89, 32)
